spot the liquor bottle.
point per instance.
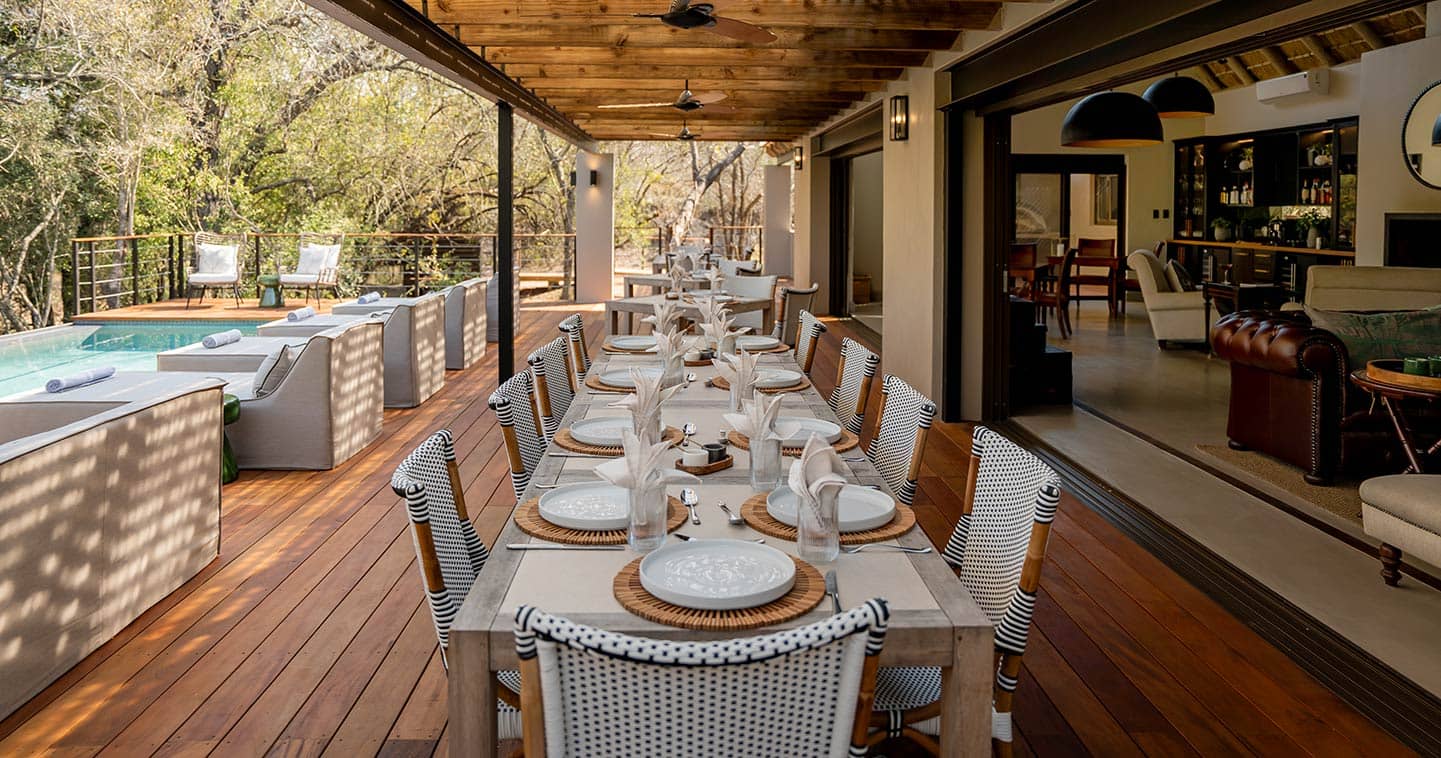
(1246, 197)
(1305, 193)
(1326, 192)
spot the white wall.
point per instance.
(594, 227)
(867, 220)
(1082, 212)
(777, 218)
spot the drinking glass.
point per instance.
(728, 345)
(673, 372)
(647, 517)
(738, 393)
(647, 429)
(818, 533)
(765, 464)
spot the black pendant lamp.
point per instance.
(1436, 133)
(1112, 119)
(1180, 97)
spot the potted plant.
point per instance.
(1312, 221)
(1221, 230)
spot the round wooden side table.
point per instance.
(1392, 396)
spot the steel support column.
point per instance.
(505, 236)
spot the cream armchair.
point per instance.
(1175, 316)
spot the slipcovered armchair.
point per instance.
(1175, 316)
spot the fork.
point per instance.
(852, 549)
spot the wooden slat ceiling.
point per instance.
(1329, 48)
(580, 54)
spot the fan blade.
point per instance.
(706, 98)
(740, 30)
(717, 109)
(635, 105)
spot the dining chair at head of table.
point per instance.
(448, 551)
(574, 328)
(805, 691)
(751, 288)
(808, 339)
(1094, 251)
(998, 546)
(900, 441)
(793, 301)
(853, 384)
(520, 427)
(555, 382)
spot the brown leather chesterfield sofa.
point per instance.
(1291, 399)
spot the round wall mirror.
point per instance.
(1422, 157)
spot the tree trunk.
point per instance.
(699, 184)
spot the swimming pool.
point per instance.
(28, 359)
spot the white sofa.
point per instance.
(1175, 316)
(103, 512)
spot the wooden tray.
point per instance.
(721, 382)
(1389, 372)
(565, 441)
(709, 468)
(848, 441)
(807, 593)
(753, 510)
(528, 518)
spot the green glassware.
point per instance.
(1415, 367)
(1436, 365)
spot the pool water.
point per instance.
(28, 360)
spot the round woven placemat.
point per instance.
(753, 510)
(528, 518)
(565, 440)
(722, 383)
(610, 348)
(808, 591)
(593, 381)
(848, 441)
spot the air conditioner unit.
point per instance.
(1313, 82)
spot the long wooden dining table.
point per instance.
(934, 620)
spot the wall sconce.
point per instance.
(800, 158)
(900, 118)
(594, 177)
(572, 180)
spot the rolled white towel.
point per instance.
(300, 314)
(226, 337)
(368, 297)
(60, 384)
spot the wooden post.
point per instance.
(505, 236)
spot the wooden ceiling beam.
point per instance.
(699, 71)
(872, 14)
(1278, 60)
(1318, 50)
(630, 36)
(668, 94)
(1203, 73)
(703, 85)
(720, 56)
(1238, 68)
(1368, 34)
(748, 115)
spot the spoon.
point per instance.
(690, 499)
(734, 518)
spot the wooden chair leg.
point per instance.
(1390, 564)
(188, 292)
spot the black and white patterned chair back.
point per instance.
(793, 301)
(514, 406)
(792, 693)
(574, 328)
(552, 364)
(1015, 491)
(424, 480)
(860, 365)
(808, 337)
(904, 412)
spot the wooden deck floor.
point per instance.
(310, 634)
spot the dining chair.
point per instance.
(750, 288)
(574, 327)
(808, 339)
(732, 268)
(1021, 267)
(1059, 297)
(805, 691)
(555, 384)
(793, 301)
(900, 441)
(449, 552)
(318, 266)
(853, 384)
(514, 405)
(998, 546)
(217, 265)
(1097, 252)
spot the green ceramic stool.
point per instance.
(229, 469)
(270, 294)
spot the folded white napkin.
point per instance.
(226, 337)
(711, 309)
(740, 370)
(670, 348)
(818, 471)
(300, 314)
(60, 384)
(719, 332)
(642, 464)
(757, 420)
(677, 278)
(368, 297)
(665, 316)
(644, 404)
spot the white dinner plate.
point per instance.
(860, 508)
(808, 426)
(604, 431)
(633, 342)
(592, 507)
(621, 377)
(757, 342)
(777, 377)
(717, 575)
(717, 296)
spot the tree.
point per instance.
(700, 182)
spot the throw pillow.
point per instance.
(214, 259)
(314, 258)
(1179, 277)
(1378, 336)
(274, 369)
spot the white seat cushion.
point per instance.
(299, 279)
(212, 279)
(1413, 498)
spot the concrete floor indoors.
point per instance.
(1140, 413)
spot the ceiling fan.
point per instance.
(688, 102)
(684, 15)
(686, 135)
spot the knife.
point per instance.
(549, 546)
(833, 589)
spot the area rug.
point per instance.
(1341, 498)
